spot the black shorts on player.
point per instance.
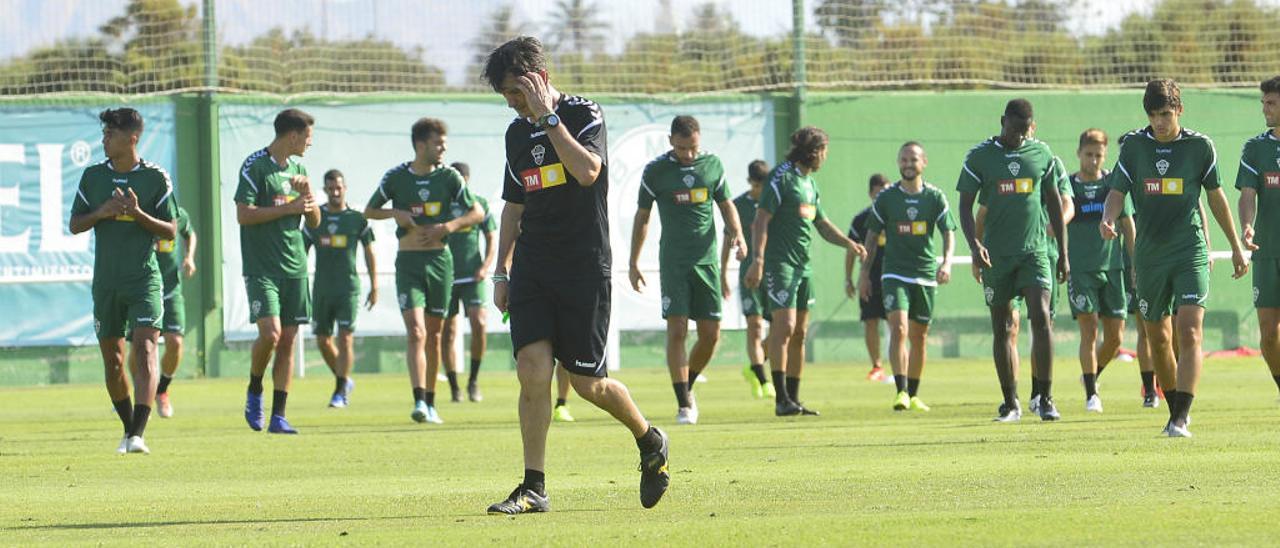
(574, 316)
(873, 308)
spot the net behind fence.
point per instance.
(295, 47)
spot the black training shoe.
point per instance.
(521, 501)
(473, 392)
(1009, 413)
(806, 411)
(787, 409)
(654, 477)
(455, 394)
(1048, 411)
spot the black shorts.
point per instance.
(873, 308)
(573, 315)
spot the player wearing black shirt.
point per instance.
(553, 269)
(871, 310)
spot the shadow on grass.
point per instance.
(150, 524)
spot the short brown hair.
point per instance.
(517, 57)
(805, 144)
(424, 128)
(123, 119)
(291, 120)
(758, 171)
(685, 126)
(1092, 136)
(1161, 93)
(1271, 85)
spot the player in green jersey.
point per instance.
(1097, 285)
(1068, 211)
(1164, 168)
(1016, 175)
(789, 211)
(336, 295)
(470, 270)
(1259, 184)
(272, 199)
(1151, 394)
(908, 214)
(175, 261)
(685, 182)
(128, 203)
(424, 193)
(751, 298)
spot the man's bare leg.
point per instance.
(1269, 340)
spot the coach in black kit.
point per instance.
(556, 288)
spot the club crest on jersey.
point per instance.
(1162, 166)
(333, 228)
(1090, 194)
(912, 213)
(539, 154)
(1014, 168)
(689, 180)
(424, 193)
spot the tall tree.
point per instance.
(160, 40)
(501, 26)
(848, 21)
(577, 27)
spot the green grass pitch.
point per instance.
(859, 474)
